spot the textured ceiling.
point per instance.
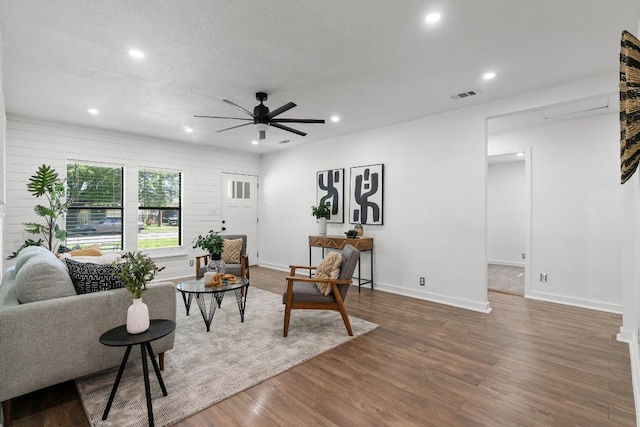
(372, 62)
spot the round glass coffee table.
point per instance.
(196, 287)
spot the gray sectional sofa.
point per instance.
(49, 334)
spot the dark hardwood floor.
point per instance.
(528, 363)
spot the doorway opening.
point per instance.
(508, 221)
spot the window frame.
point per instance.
(161, 208)
(110, 211)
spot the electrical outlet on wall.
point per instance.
(543, 277)
(190, 263)
(422, 281)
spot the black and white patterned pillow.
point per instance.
(88, 277)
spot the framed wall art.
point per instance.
(330, 188)
(365, 195)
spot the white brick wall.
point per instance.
(31, 143)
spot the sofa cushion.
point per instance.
(43, 277)
(88, 277)
(231, 251)
(29, 252)
(329, 268)
(93, 250)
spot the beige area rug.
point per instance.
(206, 367)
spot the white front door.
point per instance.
(240, 209)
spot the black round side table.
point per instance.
(119, 337)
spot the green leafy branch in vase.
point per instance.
(136, 272)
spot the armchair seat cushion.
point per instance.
(235, 269)
(308, 292)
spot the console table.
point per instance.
(363, 244)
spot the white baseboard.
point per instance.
(441, 299)
(274, 266)
(427, 296)
(506, 263)
(583, 303)
(631, 338)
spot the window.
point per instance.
(95, 212)
(159, 208)
(239, 190)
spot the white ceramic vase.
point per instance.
(137, 317)
(323, 226)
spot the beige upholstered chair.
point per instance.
(302, 292)
(239, 270)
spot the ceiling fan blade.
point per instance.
(233, 127)
(222, 117)
(287, 128)
(297, 121)
(285, 107)
(239, 107)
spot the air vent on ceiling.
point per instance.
(464, 94)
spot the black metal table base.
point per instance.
(144, 348)
(216, 302)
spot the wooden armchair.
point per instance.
(239, 270)
(302, 292)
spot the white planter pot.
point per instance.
(137, 317)
(323, 226)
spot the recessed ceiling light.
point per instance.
(489, 76)
(92, 111)
(135, 53)
(335, 119)
(432, 17)
(188, 129)
(254, 142)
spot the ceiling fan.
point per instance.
(262, 118)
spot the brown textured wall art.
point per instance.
(629, 105)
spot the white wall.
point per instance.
(434, 205)
(31, 143)
(576, 209)
(3, 167)
(506, 209)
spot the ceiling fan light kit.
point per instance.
(262, 118)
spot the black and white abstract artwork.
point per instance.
(330, 188)
(365, 195)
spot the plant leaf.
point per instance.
(43, 181)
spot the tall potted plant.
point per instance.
(46, 183)
(322, 212)
(213, 243)
(136, 273)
